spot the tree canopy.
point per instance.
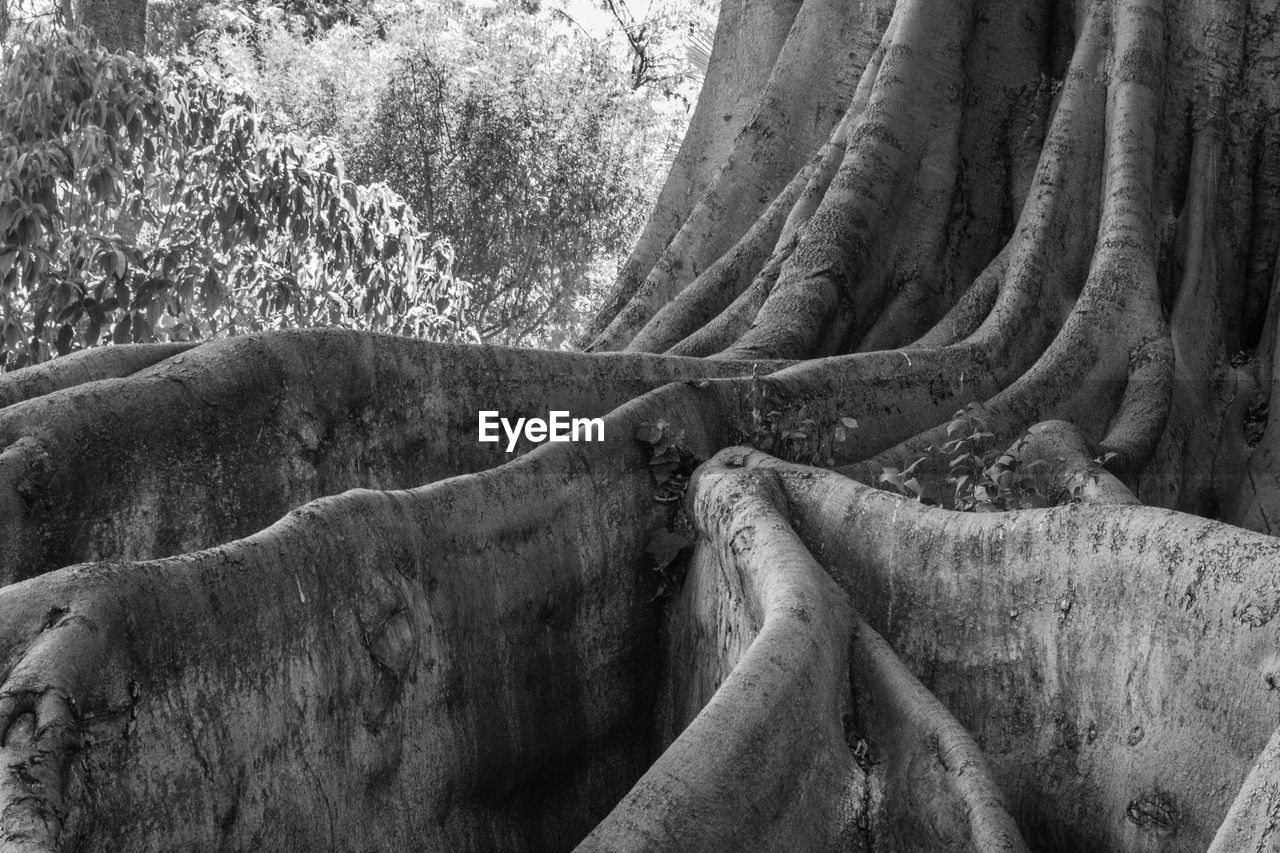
(507, 145)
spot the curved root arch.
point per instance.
(389, 649)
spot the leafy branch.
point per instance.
(969, 472)
(143, 205)
(809, 433)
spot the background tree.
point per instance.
(649, 38)
(142, 207)
(267, 594)
(527, 155)
(119, 24)
(530, 102)
(515, 134)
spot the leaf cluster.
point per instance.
(672, 464)
(143, 204)
(970, 472)
(808, 433)
(514, 135)
(530, 173)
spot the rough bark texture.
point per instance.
(271, 593)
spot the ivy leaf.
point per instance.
(114, 263)
(649, 433)
(63, 343)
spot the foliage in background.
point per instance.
(176, 25)
(141, 206)
(17, 16)
(153, 204)
(515, 134)
(667, 41)
(530, 176)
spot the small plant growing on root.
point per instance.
(970, 472)
(808, 433)
(672, 464)
(1075, 490)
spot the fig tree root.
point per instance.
(273, 592)
(394, 669)
(218, 442)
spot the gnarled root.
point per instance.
(219, 441)
(441, 668)
(1107, 659)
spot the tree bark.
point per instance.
(272, 593)
(119, 25)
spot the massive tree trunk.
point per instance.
(271, 593)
